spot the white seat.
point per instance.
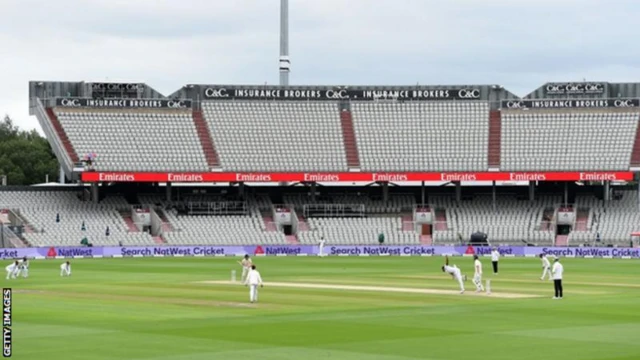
(154, 140)
(422, 136)
(580, 141)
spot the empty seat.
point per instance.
(276, 135)
(567, 141)
(513, 222)
(57, 218)
(422, 136)
(142, 140)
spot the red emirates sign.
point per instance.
(189, 177)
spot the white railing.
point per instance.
(334, 210)
(52, 134)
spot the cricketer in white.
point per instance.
(253, 280)
(454, 272)
(246, 267)
(546, 267)
(12, 270)
(321, 249)
(23, 268)
(65, 269)
(477, 276)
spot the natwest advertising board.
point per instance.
(352, 177)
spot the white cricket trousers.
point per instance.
(24, 272)
(245, 272)
(321, 251)
(477, 280)
(253, 293)
(546, 271)
(10, 274)
(64, 272)
(458, 277)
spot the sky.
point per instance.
(519, 44)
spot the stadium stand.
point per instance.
(277, 135)
(414, 136)
(345, 218)
(485, 129)
(358, 231)
(611, 222)
(396, 204)
(226, 227)
(135, 140)
(513, 221)
(220, 229)
(568, 141)
(41, 211)
(54, 124)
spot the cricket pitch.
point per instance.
(379, 289)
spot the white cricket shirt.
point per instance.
(477, 265)
(453, 270)
(495, 255)
(254, 278)
(545, 262)
(557, 270)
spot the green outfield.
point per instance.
(324, 308)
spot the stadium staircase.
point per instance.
(166, 225)
(28, 227)
(269, 223)
(548, 213)
(213, 160)
(349, 136)
(441, 220)
(159, 240)
(409, 225)
(13, 238)
(131, 226)
(426, 240)
(562, 240)
(292, 239)
(303, 225)
(495, 136)
(582, 217)
(407, 222)
(635, 154)
(62, 135)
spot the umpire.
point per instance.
(557, 271)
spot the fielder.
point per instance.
(546, 267)
(321, 250)
(65, 269)
(454, 272)
(12, 270)
(246, 266)
(477, 276)
(253, 280)
(23, 268)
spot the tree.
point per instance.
(26, 157)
